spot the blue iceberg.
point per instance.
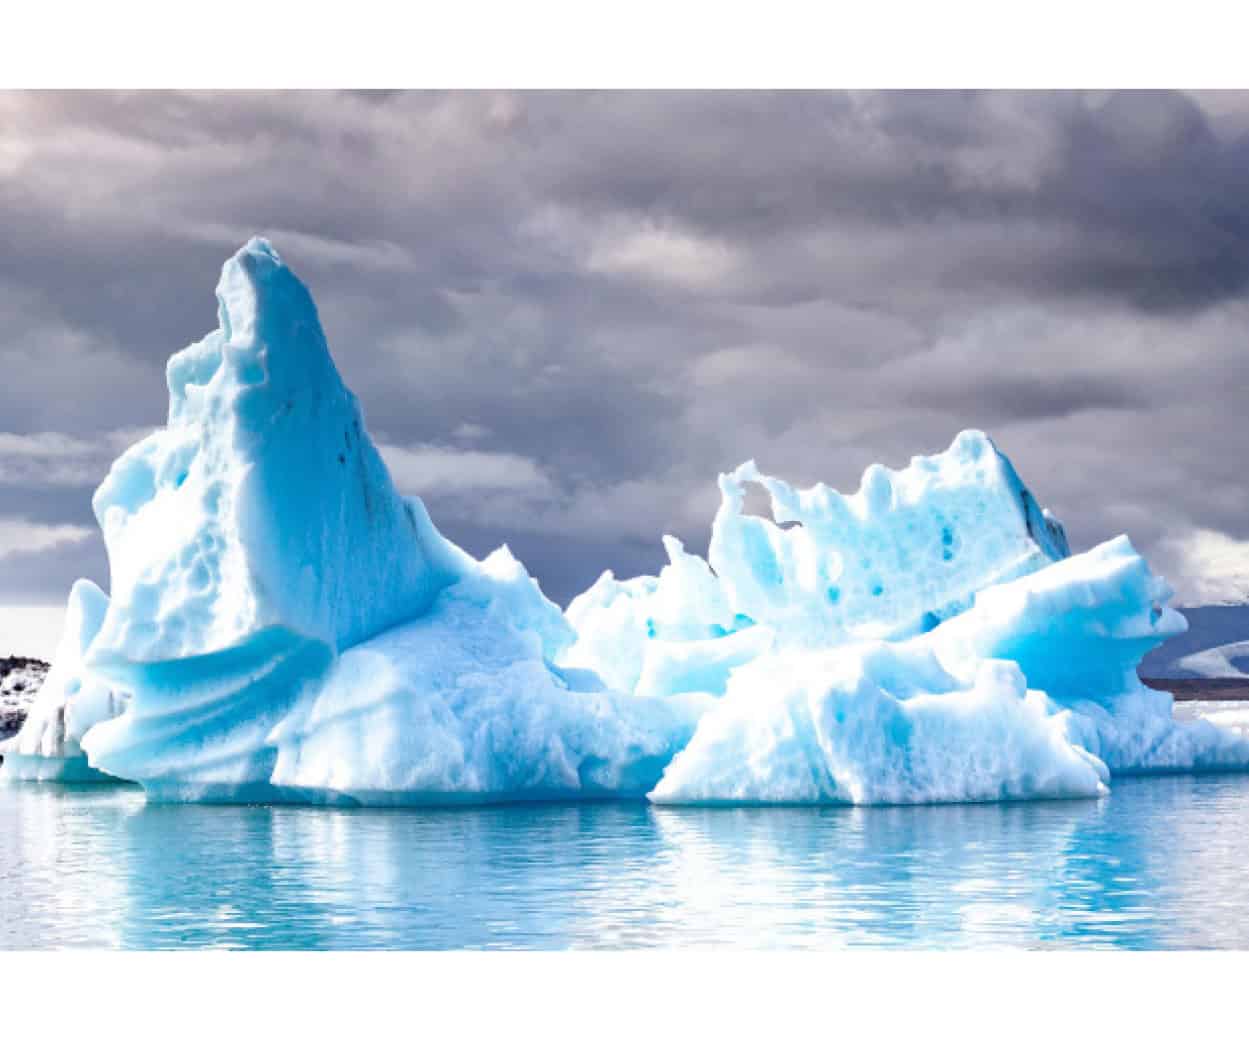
(283, 625)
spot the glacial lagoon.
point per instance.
(1159, 863)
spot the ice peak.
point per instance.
(971, 444)
(257, 288)
(258, 245)
(256, 260)
(268, 352)
(239, 515)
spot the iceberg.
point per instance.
(69, 703)
(880, 723)
(1030, 692)
(283, 625)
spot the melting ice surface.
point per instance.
(282, 625)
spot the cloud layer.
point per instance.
(565, 313)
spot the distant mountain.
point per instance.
(20, 679)
(1216, 646)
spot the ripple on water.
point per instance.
(1156, 865)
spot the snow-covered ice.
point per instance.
(283, 625)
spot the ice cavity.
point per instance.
(283, 625)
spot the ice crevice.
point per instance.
(282, 625)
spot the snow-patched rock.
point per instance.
(20, 679)
(281, 624)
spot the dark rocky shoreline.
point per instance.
(20, 679)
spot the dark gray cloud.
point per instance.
(584, 306)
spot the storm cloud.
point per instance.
(565, 313)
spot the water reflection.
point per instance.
(58, 883)
(1156, 865)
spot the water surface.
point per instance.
(1162, 863)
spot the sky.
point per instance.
(565, 313)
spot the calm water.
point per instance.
(1161, 863)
